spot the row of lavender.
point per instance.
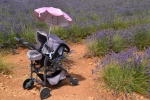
(110, 40)
(16, 15)
(127, 71)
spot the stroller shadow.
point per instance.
(66, 82)
(67, 63)
(61, 83)
(79, 77)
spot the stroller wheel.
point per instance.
(28, 84)
(74, 81)
(44, 93)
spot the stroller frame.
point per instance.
(50, 64)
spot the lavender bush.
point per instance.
(117, 40)
(4, 67)
(106, 41)
(127, 71)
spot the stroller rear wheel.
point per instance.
(28, 84)
(44, 93)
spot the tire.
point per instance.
(74, 81)
(28, 84)
(44, 93)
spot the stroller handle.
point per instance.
(26, 44)
(17, 39)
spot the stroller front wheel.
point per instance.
(28, 84)
(44, 93)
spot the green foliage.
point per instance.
(40, 25)
(142, 39)
(117, 43)
(81, 18)
(126, 79)
(138, 21)
(99, 47)
(105, 45)
(28, 34)
(118, 23)
(60, 32)
(93, 16)
(74, 33)
(7, 40)
(4, 67)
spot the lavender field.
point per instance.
(110, 28)
(16, 15)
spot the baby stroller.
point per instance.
(45, 62)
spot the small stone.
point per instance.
(141, 97)
(15, 91)
(2, 88)
(25, 92)
(10, 76)
(90, 63)
(66, 96)
(1, 85)
(90, 98)
(33, 91)
(5, 75)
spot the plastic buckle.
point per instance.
(50, 55)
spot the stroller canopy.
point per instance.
(54, 41)
(41, 37)
(49, 42)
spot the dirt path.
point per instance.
(79, 67)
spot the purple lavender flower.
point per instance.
(97, 66)
(93, 71)
(148, 72)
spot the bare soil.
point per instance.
(77, 65)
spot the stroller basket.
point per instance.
(53, 78)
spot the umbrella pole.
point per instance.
(50, 29)
(51, 26)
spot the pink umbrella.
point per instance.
(52, 16)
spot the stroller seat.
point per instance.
(34, 55)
